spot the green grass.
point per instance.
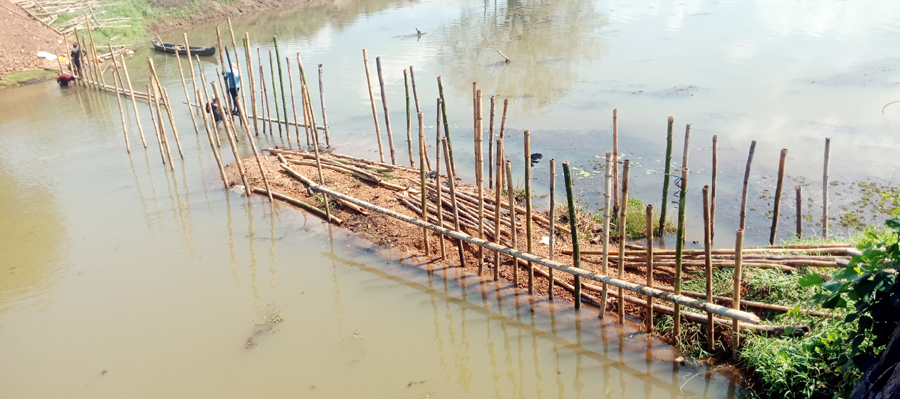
(13, 78)
(636, 221)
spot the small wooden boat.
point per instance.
(195, 50)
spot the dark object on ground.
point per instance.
(64, 79)
(883, 379)
(195, 50)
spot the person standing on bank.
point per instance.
(234, 85)
(75, 65)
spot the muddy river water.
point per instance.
(120, 278)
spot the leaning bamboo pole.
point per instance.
(161, 126)
(712, 192)
(168, 107)
(372, 100)
(707, 249)
(412, 79)
(234, 149)
(121, 110)
(324, 115)
(825, 188)
(306, 113)
(503, 136)
(329, 217)
(264, 96)
(551, 232)
(212, 142)
(137, 116)
(240, 73)
(623, 215)
(215, 125)
(736, 291)
(294, 108)
(387, 117)
(666, 175)
(573, 225)
(162, 153)
(452, 183)
(422, 179)
(604, 262)
(249, 59)
(304, 91)
(437, 177)
(280, 78)
(479, 177)
(746, 185)
(275, 93)
(778, 190)
(529, 231)
(512, 218)
(440, 81)
(649, 234)
(94, 51)
(187, 96)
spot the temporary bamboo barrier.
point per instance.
(551, 232)
(162, 153)
(825, 188)
(746, 184)
(452, 184)
(511, 193)
(372, 100)
(187, 96)
(604, 262)
(649, 234)
(666, 174)
(573, 225)
(712, 193)
(707, 249)
(440, 82)
(778, 189)
(94, 51)
(324, 115)
(623, 215)
(736, 292)
(387, 117)
(137, 116)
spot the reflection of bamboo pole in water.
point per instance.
(137, 183)
(153, 186)
(492, 356)
(538, 376)
(437, 333)
(579, 357)
(273, 284)
(338, 309)
(234, 263)
(186, 221)
(254, 265)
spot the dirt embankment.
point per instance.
(210, 10)
(21, 38)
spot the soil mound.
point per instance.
(21, 38)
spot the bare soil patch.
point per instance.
(21, 38)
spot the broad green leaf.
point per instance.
(846, 274)
(810, 280)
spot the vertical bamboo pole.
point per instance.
(94, 52)
(252, 83)
(479, 178)
(616, 164)
(511, 193)
(304, 91)
(264, 93)
(294, 108)
(623, 215)
(275, 94)
(187, 49)
(412, 78)
(215, 125)
(684, 161)
(307, 127)
(387, 117)
(422, 180)
(491, 148)
(440, 81)
(212, 143)
(372, 100)
(497, 206)
(234, 149)
(736, 292)
(746, 184)
(528, 211)
(607, 209)
(121, 110)
(679, 247)
(649, 233)
(412, 163)
(162, 128)
(778, 190)
(315, 139)
(223, 51)
(451, 181)
(707, 252)
(576, 252)
(825, 188)
(502, 136)
(552, 231)
(437, 180)
(712, 193)
(187, 96)
(281, 79)
(168, 107)
(137, 117)
(159, 141)
(324, 115)
(799, 213)
(668, 170)
(237, 61)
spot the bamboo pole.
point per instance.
(452, 183)
(528, 210)
(707, 249)
(736, 291)
(280, 78)
(422, 178)
(222, 53)
(264, 100)
(329, 217)
(162, 153)
(187, 47)
(479, 177)
(324, 115)
(412, 78)
(409, 124)
(187, 95)
(825, 188)
(162, 128)
(746, 184)
(712, 193)
(215, 125)
(304, 91)
(121, 110)
(237, 61)
(491, 148)
(552, 231)
(649, 233)
(679, 246)
(137, 116)
(684, 160)
(294, 108)
(387, 117)
(262, 171)
(437, 179)
(799, 213)
(372, 100)
(502, 136)
(168, 107)
(440, 81)
(616, 164)
(778, 190)
(497, 214)
(668, 171)
(306, 113)
(604, 262)
(94, 51)
(576, 257)
(212, 143)
(249, 59)
(623, 215)
(234, 149)
(275, 93)
(511, 193)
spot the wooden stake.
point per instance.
(294, 108)
(479, 177)
(412, 163)
(212, 143)
(668, 171)
(237, 61)
(825, 189)
(736, 291)
(712, 195)
(304, 91)
(119, 101)
(252, 83)
(437, 180)
(649, 233)
(528, 211)
(576, 254)
(168, 107)
(215, 125)
(187, 95)
(94, 51)
(503, 136)
(607, 208)
(746, 185)
(275, 93)
(324, 115)
(446, 121)
(491, 148)
(264, 101)
(137, 116)
(412, 78)
(234, 149)
(422, 177)
(329, 217)
(778, 189)
(616, 164)
(497, 190)
(552, 231)
(707, 247)
(684, 161)
(679, 247)
(623, 215)
(162, 154)
(511, 193)
(387, 117)
(799, 213)
(161, 127)
(280, 79)
(451, 181)
(372, 100)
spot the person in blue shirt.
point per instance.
(233, 79)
